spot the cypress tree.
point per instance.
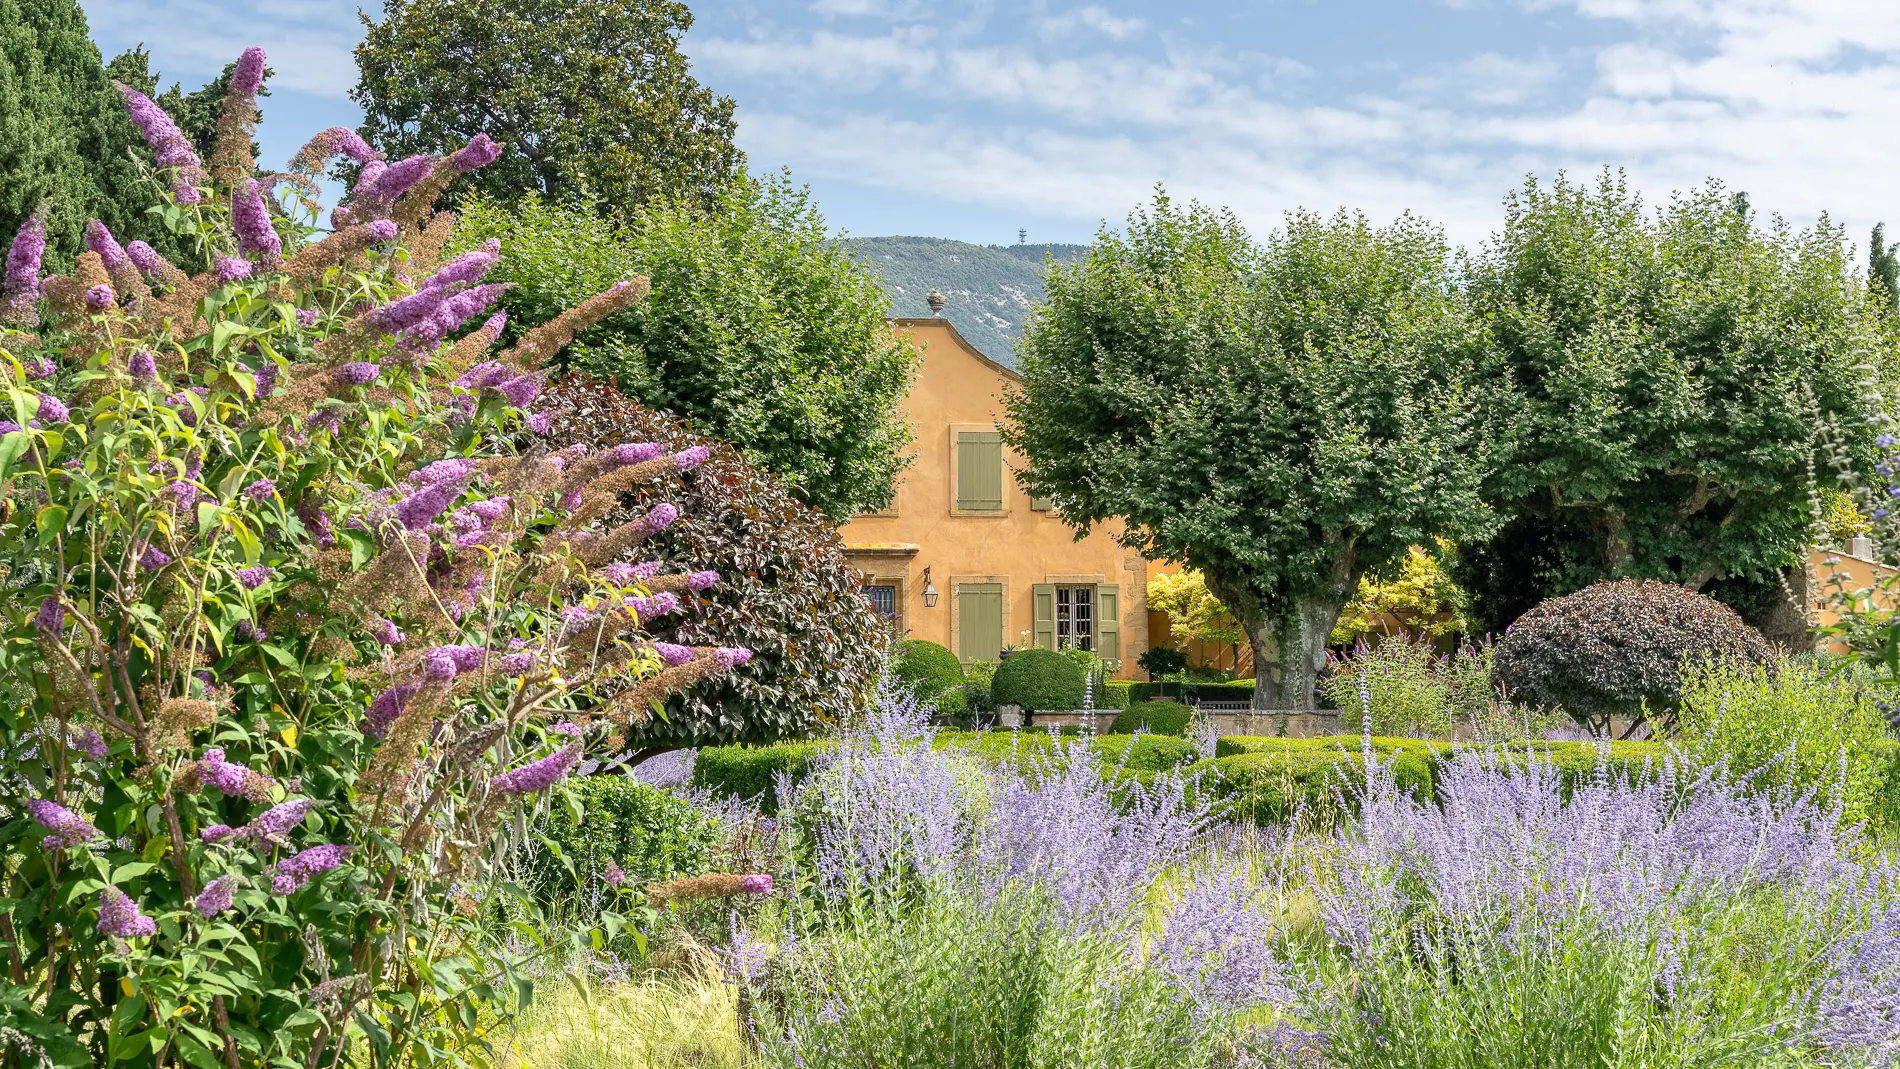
(64, 135)
(1883, 267)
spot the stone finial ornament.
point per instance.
(936, 302)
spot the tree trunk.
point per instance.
(1303, 630)
(1260, 641)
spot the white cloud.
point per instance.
(310, 43)
(1792, 100)
(1090, 17)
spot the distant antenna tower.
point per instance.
(1022, 236)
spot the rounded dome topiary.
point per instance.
(929, 668)
(1612, 647)
(1038, 680)
(1156, 717)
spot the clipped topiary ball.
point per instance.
(928, 667)
(1038, 680)
(1610, 648)
(1156, 717)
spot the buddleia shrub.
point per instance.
(292, 633)
(1613, 648)
(785, 593)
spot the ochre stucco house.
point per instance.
(1004, 571)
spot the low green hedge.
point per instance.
(1114, 695)
(1265, 779)
(1160, 717)
(651, 833)
(1885, 812)
(750, 771)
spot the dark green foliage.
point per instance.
(1883, 268)
(1669, 370)
(930, 668)
(1268, 779)
(64, 135)
(784, 590)
(989, 290)
(751, 771)
(759, 330)
(1038, 679)
(1159, 717)
(1885, 812)
(650, 833)
(587, 97)
(1114, 695)
(1162, 661)
(1282, 415)
(1612, 647)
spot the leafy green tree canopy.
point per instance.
(587, 96)
(760, 329)
(1281, 415)
(65, 140)
(1674, 374)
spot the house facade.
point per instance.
(963, 557)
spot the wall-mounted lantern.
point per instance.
(930, 591)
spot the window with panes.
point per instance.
(1075, 617)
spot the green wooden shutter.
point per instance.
(979, 621)
(1041, 504)
(1042, 598)
(980, 470)
(1108, 622)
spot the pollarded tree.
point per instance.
(1282, 416)
(588, 97)
(1673, 375)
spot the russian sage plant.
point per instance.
(298, 615)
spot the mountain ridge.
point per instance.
(989, 290)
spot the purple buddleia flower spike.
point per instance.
(143, 365)
(52, 409)
(232, 269)
(170, 147)
(261, 490)
(51, 619)
(252, 578)
(702, 580)
(216, 897)
(99, 298)
(466, 268)
(479, 152)
(276, 822)
(386, 632)
(730, 657)
(672, 654)
(248, 76)
(386, 707)
(250, 220)
(295, 871)
(119, 916)
(538, 776)
(522, 389)
(101, 241)
(69, 828)
(688, 459)
(39, 367)
(360, 373)
(22, 286)
(144, 257)
(399, 177)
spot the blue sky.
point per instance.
(974, 119)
